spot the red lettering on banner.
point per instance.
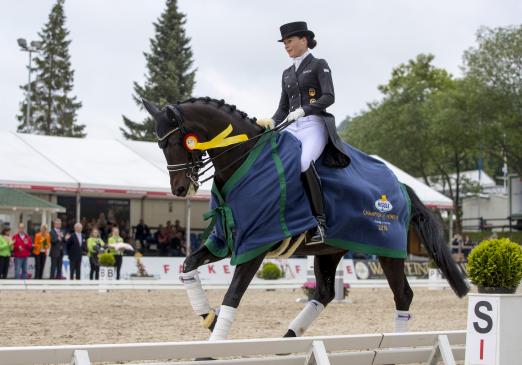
(349, 269)
(166, 268)
(211, 269)
(297, 269)
(481, 349)
(226, 269)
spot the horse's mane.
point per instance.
(221, 104)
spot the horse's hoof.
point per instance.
(204, 359)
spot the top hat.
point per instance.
(295, 28)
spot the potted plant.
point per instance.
(270, 271)
(495, 266)
(309, 289)
(494, 319)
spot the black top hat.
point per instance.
(295, 28)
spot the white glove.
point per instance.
(296, 114)
(266, 123)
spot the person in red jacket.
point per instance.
(22, 246)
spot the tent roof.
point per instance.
(430, 197)
(16, 199)
(114, 166)
(84, 164)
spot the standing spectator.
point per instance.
(22, 245)
(142, 233)
(94, 245)
(42, 242)
(118, 254)
(76, 248)
(57, 247)
(6, 248)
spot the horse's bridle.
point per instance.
(197, 160)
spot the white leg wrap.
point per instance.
(402, 319)
(197, 297)
(224, 322)
(304, 319)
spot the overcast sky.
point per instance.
(235, 49)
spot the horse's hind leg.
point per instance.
(243, 275)
(402, 293)
(190, 279)
(325, 267)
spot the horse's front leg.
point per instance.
(243, 275)
(190, 279)
(325, 267)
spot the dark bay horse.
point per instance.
(177, 126)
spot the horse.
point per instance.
(181, 126)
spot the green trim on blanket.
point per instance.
(245, 166)
(252, 254)
(214, 249)
(374, 250)
(282, 187)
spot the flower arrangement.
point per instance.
(309, 289)
(140, 267)
(270, 271)
(106, 259)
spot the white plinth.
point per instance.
(107, 274)
(494, 330)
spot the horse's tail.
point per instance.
(430, 233)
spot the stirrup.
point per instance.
(318, 236)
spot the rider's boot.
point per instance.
(314, 191)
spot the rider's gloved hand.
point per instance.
(296, 114)
(266, 123)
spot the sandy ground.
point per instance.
(82, 317)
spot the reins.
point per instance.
(192, 168)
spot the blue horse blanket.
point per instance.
(264, 202)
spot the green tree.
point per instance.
(397, 128)
(170, 76)
(496, 63)
(53, 108)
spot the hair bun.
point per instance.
(311, 42)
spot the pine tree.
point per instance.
(170, 75)
(53, 108)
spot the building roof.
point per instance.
(13, 199)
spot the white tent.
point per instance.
(115, 166)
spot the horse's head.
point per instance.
(182, 163)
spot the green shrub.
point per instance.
(106, 259)
(496, 263)
(270, 271)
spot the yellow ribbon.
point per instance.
(221, 140)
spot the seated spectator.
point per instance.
(163, 240)
(177, 245)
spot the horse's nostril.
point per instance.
(180, 190)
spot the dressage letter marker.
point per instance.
(493, 330)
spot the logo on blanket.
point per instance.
(383, 204)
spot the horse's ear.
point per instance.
(151, 108)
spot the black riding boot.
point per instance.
(314, 191)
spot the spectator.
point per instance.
(22, 245)
(118, 254)
(178, 227)
(76, 248)
(57, 248)
(42, 242)
(177, 245)
(94, 246)
(162, 239)
(6, 248)
(142, 233)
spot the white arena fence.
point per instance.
(370, 349)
